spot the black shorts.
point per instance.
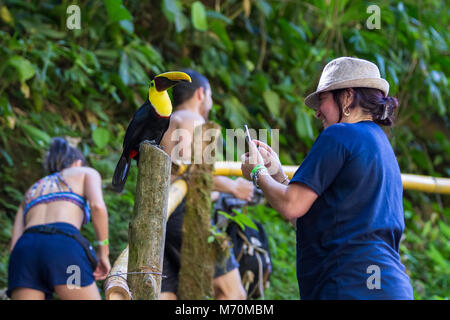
(172, 253)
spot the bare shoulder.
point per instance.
(186, 116)
(176, 117)
(82, 172)
(91, 172)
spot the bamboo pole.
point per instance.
(410, 181)
(147, 228)
(197, 255)
(177, 192)
(116, 285)
(426, 183)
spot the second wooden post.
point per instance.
(198, 257)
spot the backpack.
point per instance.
(250, 247)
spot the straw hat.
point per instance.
(346, 72)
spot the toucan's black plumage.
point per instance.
(149, 122)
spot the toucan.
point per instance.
(149, 122)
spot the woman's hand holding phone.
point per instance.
(250, 159)
(271, 161)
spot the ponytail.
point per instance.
(61, 155)
(385, 113)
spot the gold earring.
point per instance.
(346, 112)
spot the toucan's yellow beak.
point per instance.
(175, 76)
(167, 80)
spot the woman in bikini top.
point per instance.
(65, 197)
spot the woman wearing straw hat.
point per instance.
(346, 197)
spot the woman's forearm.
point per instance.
(293, 200)
(277, 195)
(100, 223)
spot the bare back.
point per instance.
(80, 180)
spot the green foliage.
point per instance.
(199, 16)
(262, 58)
(241, 219)
(425, 251)
(100, 137)
(282, 244)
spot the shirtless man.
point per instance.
(192, 104)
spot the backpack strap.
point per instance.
(257, 251)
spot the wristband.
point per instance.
(103, 242)
(256, 168)
(286, 178)
(262, 170)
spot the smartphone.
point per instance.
(248, 138)
(247, 133)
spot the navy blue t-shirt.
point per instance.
(348, 241)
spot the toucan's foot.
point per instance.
(153, 143)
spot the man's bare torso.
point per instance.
(178, 138)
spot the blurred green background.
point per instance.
(262, 58)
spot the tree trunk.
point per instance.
(147, 229)
(197, 255)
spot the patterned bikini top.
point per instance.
(61, 195)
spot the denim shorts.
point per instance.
(42, 261)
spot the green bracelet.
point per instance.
(256, 169)
(103, 242)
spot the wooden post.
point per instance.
(197, 255)
(147, 229)
(116, 285)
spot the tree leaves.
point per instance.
(219, 28)
(236, 112)
(25, 69)
(100, 137)
(37, 135)
(198, 16)
(241, 219)
(264, 7)
(173, 10)
(5, 15)
(303, 125)
(116, 11)
(272, 101)
(124, 69)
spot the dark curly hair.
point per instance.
(61, 155)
